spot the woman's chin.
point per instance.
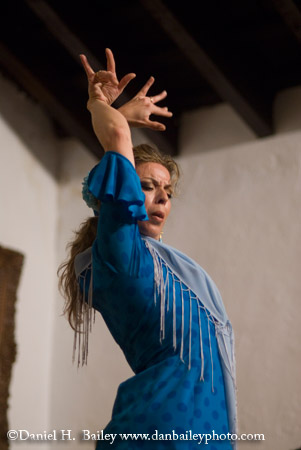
(149, 230)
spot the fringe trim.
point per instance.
(83, 326)
(161, 288)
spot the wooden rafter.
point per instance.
(210, 72)
(57, 111)
(291, 16)
(62, 33)
(75, 46)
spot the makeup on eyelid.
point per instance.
(151, 183)
(157, 188)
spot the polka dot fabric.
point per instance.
(164, 395)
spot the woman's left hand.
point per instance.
(138, 110)
(104, 85)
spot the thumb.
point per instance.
(157, 126)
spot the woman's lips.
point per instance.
(158, 216)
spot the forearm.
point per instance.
(111, 129)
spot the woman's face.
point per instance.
(156, 185)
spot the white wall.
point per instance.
(28, 205)
(81, 398)
(238, 215)
(40, 201)
(211, 128)
(242, 224)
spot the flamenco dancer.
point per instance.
(161, 307)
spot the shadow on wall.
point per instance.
(10, 271)
(31, 124)
(220, 126)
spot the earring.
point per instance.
(160, 238)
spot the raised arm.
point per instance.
(110, 126)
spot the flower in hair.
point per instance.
(88, 197)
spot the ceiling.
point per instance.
(201, 52)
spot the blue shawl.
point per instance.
(200, 284)
(198, 281)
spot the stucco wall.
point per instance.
(81, 398)
(28, 205)
(238, 215)
(242, 224)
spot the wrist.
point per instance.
(122, 110)
(125, 111)
(92, 102)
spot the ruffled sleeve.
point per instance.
(114, 179)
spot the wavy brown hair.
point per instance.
(83, 238)
(86, 234)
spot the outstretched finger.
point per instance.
(144, 90)
(125, 81)
(88, 69)
(159, 97)
(161, 111)
(111, 67)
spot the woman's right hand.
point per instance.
(104, 85)
(139, 109)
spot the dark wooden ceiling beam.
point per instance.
(290, 14)
(56, 110)
(62, 33)
(252, 115)
(75, 47)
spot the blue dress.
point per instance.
(178, 388)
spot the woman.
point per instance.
(161, 307)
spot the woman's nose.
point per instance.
(162, 196)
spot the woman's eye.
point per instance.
(146, 187)
(169, 195)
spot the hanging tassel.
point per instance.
(209, 336)
(190, 330)
(201, 343)
(160, 287)
(182, 326)
(174, 315)
(83, 325)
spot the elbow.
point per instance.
(117, 136)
